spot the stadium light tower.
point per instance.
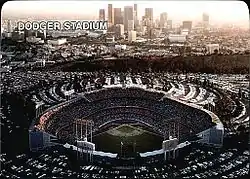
(172, 128)
(81, 136)
(169, 145)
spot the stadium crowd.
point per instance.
(135, 103)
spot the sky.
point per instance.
(235, 12)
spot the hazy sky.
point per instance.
(235, 12)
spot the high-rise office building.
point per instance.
(136, 22)
(110, 14)
(205, 20)
(149, 21)
(135, 9)
(119, 30)
(149, 16)
(149, 13)
(122, 13)
(131, 36)
(163, 19)
(187, 25)
(143, 21)
(130, 25)
(128, 15)
(156, 23)
(169, 24)
(205, 17)
(102, 14)
(118, 16)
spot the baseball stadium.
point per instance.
(127, 118)
(116, 124)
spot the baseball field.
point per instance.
(127, 139)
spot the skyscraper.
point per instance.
(110, 14)
(118, 16)
(135, 9)
(205, 20)
(102, 14)
(163, 19)
(136, 15)
(187, 25)
(149, 20)
(149, 16)
(149, 13)
(128, 15)
(131, 25)
(169, 24)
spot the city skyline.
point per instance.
(233, 12)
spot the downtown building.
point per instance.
(119, 30)
(118, 19)
(169, 24)
(163, 20)
(132, 36)
(148, 19)
(149, 16)
(101, 14)
(131, 25)
(187, 25)
(128, 16)
(136, 21)
(205, 20)
(110, 15)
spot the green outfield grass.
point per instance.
(133, 139)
